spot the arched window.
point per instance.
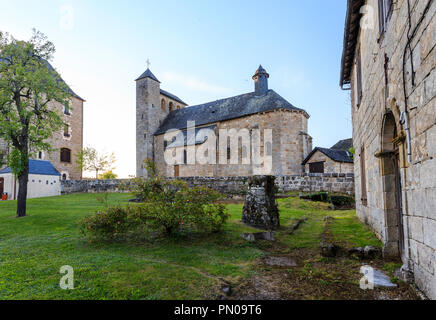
(171, 106)
(178, 107)
(64, 176)
(163, 104)
(66, 155)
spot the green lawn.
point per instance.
(33, 249)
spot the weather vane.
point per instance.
(148, 63)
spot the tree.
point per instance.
(108, 175)
(90, 160)
(29, 89)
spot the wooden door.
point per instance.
(2, 186)
(176, 171)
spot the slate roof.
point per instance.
(343, 145)
(172, 96)
(226, 109)
(335, 155)
(147, 74)
(38, 167)
(351, 33)
(200, 136)
(68, 88)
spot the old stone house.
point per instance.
(282, 131)
(337, 159)
(389, 64)
(66, 143)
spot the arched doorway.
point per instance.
(2, 186)
(392, 188)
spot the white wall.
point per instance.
(38, 186)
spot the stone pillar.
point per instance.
(260, 209)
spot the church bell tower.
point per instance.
(148, 118)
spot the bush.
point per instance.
(167, 205)
(111, 223)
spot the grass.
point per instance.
(34, 248)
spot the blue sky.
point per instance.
(199, 50)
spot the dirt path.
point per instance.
(304, 274)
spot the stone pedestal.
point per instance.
(260, 209)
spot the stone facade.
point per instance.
(290, 145)
(71, 140)
(395, 138)
(330, 166)
(152, 106)
(290, 140)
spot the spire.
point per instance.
(261, 81)
(147, 74)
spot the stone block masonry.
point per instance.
(232, 187)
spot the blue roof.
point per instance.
(38, 167)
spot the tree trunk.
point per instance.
(22, 192)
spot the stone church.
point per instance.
(282, 130)
(390, 70)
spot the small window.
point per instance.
(229, 153)
(359, 88)
(316, 167)
(163, 104)
(64, 176)
(67, 110)
(40, 155)
(66, 130)
(185, 157)
(171, 106)
(384, 10)
(65, 155)
(364, 192)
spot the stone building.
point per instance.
(337, 159)
(280, 129)
(390, 67)
(66, 144)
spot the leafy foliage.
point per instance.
(90, 160)
(168, 206)
(108, 175)
(29, 87)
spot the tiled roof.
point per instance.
(172, 96)
(335, 155)
(226, 109)
(351, 33)
(345, 145)
(147, 74)
(200, 136)
(38, 167)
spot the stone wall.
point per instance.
(232, 187)
(330, 166)
(74, 142)
(376, 122)
(290, 146)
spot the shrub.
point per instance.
(111, 223)
(167, 205)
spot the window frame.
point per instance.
(363, 178)
(62, 155)
(313, 164)
(359, 78)
(384, 13)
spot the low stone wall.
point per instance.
(92, 186)
(233, 187)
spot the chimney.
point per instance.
(261, 81)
